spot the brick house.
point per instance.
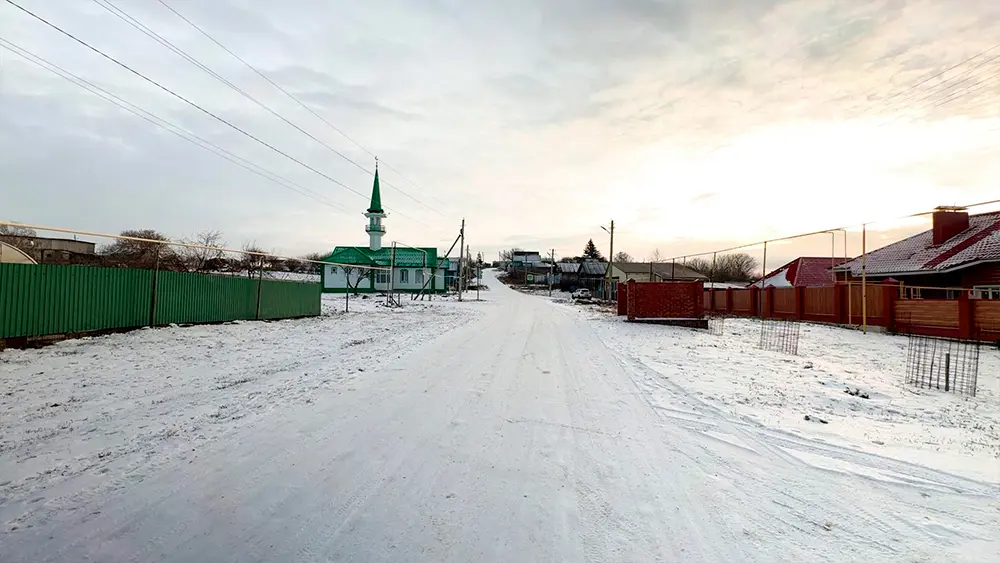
(960, 251)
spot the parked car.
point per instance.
(582, 294)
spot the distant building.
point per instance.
(653, 271)
(44, 250)
(409, 269)
(526, 258)
(959, 252)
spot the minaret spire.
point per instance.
(375, 215)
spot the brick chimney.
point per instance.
(948, 222)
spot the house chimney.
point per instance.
(948, 222)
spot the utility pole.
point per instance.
(479, 274)
(864, 278)
(461, 254)
(552, 265)
(611, 258)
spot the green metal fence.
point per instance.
(38, 300)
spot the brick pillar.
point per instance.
(965, 319)
(890, 293)
(630, 292)
(699, 306)
(754, 301)
(800, 303)
(838, 303)
(729, 301)
(769, 302)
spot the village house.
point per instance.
(960, 252)
(400, 268)
(653, 271)
(805, 271)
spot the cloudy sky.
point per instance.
(694, 124)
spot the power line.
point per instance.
(168, 126)
(298, 101)
(196, 106)
(825, 231)
(121, 14)
(942, 73)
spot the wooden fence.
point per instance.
(963, 317)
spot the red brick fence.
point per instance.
(963, 318)
(660, 300)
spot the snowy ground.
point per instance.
(776, 391)
(530, 429)
(86, 416)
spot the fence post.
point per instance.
(800, 303)
(699, 306)
(711, 299)
(152, 297)
(769, 302)
(630, 293)
(890, 293)
(729, 301)
(260, 283)
(965, 319)
(754, 301)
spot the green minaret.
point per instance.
(375, 215)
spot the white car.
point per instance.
(582, 293)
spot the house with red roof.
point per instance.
(960, 251)
(805, 271)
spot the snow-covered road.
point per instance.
(523, 436)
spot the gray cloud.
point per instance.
(505, 112)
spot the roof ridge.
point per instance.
(986, 231)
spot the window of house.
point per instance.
(381, 277)
(404, 276)
(333, 270)
(986, 292)
(418, 276)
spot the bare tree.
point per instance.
(359, 274)
(311, 267)
(294, 265)
(508, 255)
(701, 265)
(739, 267)
(655, 256)
(18, 237)
(253, 259)
(143, 248)
(206, 258)
(622, 257)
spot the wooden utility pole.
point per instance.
(864, 278)
(611, 258)
(461, 254)
(552, 265)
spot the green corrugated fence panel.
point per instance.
(200, 298)
(36, 300)
(284, 299)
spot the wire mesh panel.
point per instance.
(716, 325)
(778, 335)
(943, 363)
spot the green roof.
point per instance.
(376, 204)
(364, 256)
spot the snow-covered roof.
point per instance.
(918, 254)
(568, 267)
(593, 268)
(662, 270)
(805, 271)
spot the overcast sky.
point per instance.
(694, 124)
